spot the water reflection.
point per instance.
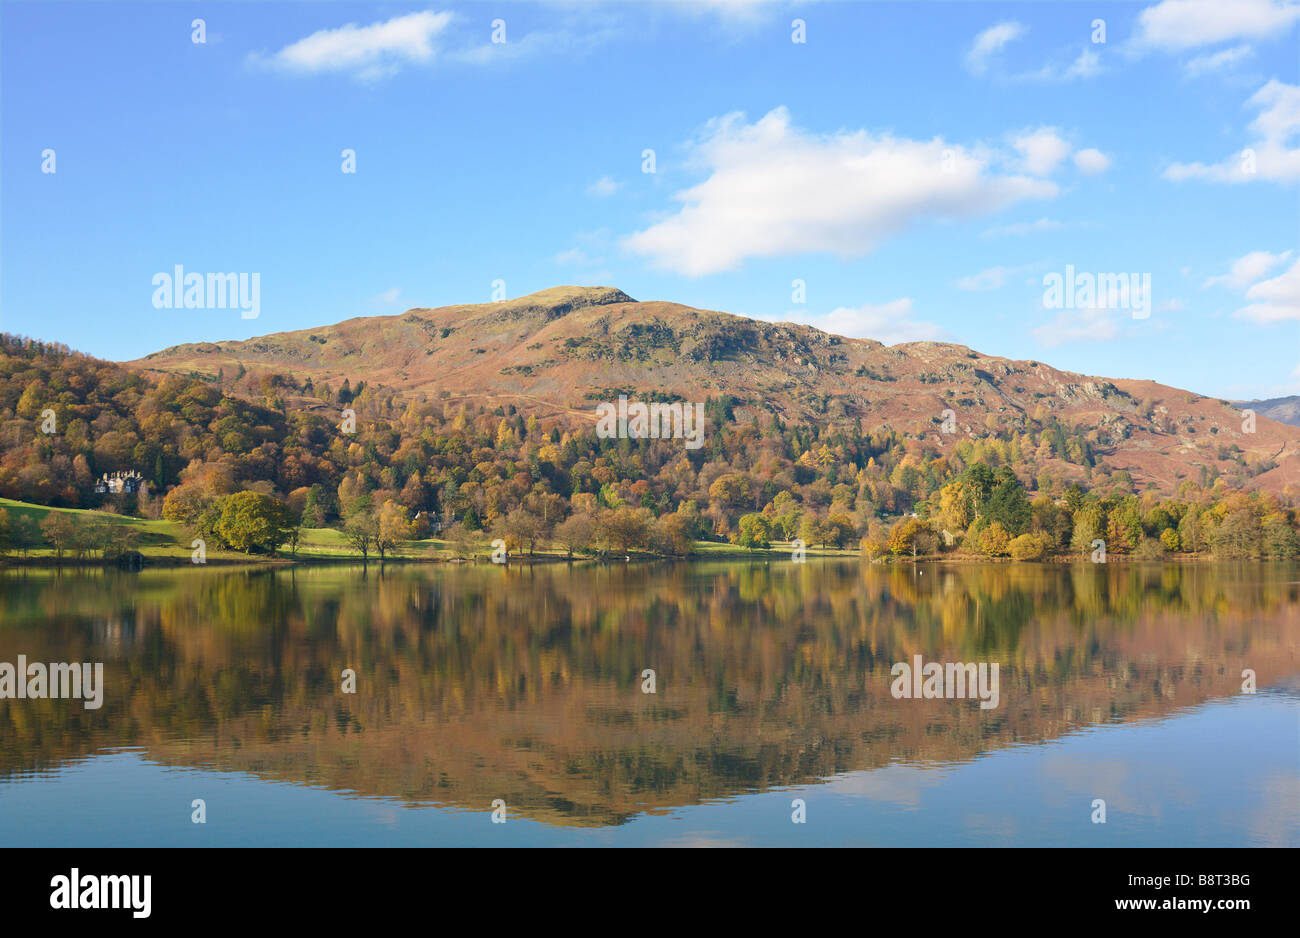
(476, 683)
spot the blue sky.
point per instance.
(921, 167)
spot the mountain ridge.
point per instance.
(558, 352)
(1282, 409)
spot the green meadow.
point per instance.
(170, 541)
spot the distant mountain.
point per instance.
(1281, 409)
(560, 351)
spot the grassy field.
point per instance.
(713, 549)
(169, 540)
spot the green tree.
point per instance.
(253, 523)
(753, 533)
(1280, 539)
(785, 514)
(24, 533)
(315, 508)
(813, 530)
(1238, 537)
(1192, 533)
(360, 531)
(1089, 525)
(1007, 504)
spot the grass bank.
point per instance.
(167, 542)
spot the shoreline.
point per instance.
(738, 555)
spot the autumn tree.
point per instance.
(994, 540)
(60, 532)
(392, 530)
(576, 533)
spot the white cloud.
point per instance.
(1085, 66)
(742, 11)
(1023, 228)
(1093, 324)
(1041, 150)
(889, 323)
(1279, 115)
(1217, 61)
(370, 52)
(1186, 24)
(604, 187)
(576, 257)
(1110, 314)
(1267, 154)
(586, 259)
(775, 190)
(388, 296)
(381, 49)
(1248, 269)
(895, 783)
(991, 42)
(990, 279)
(982, 57)
(574, 39)
(1091, 161)
(1274, 300)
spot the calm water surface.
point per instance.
(1117, 682)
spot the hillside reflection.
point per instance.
(475, 683)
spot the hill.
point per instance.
(558, 352)
(1282, 409)
(1023, 461)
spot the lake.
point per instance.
(773, 701)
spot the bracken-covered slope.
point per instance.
(560, 351)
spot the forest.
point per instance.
(249, 475)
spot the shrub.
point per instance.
(1033, 546)
(1149, 549)
(873, 548)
